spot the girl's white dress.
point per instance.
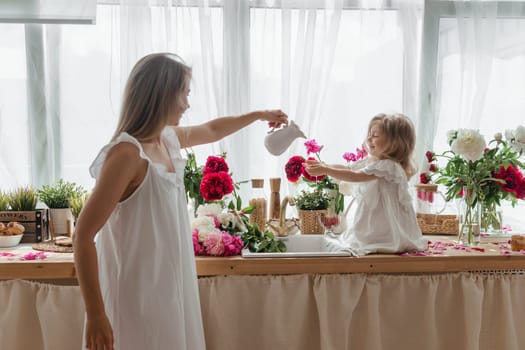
(385, 221)
(146, 264)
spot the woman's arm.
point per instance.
(219, 128)
(120, 170)
(316, 168)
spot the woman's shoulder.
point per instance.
(125, 153)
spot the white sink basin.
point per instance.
(300, 246)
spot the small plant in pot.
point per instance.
(57, 197)
(22, 199)
(4, 201)
(310, 206)
(76, 204)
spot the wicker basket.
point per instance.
(431, 224)
(309, 221)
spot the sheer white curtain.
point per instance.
(125, 32)
(332, 67)
(330, 64)
(480, 70)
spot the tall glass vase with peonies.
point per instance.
(480, 176)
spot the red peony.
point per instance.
(423, 178)
(310, 177)
(430, 156)
(214, 165)
(514, 180)
(215, 185)
(294, 168)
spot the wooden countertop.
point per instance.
(491, 254)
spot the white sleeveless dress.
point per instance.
(146, 262)
(385, 220)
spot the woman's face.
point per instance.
(181, 105)
(376, 141)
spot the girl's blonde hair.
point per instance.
(400, 136)
(154, 88)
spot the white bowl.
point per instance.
(10, 241)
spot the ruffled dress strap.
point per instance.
(391, 171)
(171, 140)
(96, 166)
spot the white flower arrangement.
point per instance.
(469, 144)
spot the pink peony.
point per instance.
(214, 245)
(312, 147)
(232, 244)
(349, 157)
(198, 249)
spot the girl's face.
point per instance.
(376, 141)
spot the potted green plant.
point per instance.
(76, 204)
(310, 205)
(4, 201)
(57, 197)
(20, 205)
(22, 199)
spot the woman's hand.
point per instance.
(99, 335)
(314, 167)
(275, 118)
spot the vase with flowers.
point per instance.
(480, 176)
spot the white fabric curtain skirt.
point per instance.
(445, 311)
(351, 311)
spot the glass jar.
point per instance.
(259, 202)
(429, 200)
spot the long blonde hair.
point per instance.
(154, 87)
(400, 137)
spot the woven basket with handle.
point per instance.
(309, 221)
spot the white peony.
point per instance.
(519, 134)
(516, 138)
(225, 219)
(204, 224)
(469, 144)
(209, 209)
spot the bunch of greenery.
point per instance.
(192, 180)
(314, 200)
(22, 199)
(258, 241)
(4, 201)
(59, 195)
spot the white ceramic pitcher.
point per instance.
(278, 141)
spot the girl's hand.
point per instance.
(99, 335)
(275, 118)
(314, 167)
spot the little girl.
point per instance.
(385, 221)
(139, 280)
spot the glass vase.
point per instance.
(469, 219)
(491, 218)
